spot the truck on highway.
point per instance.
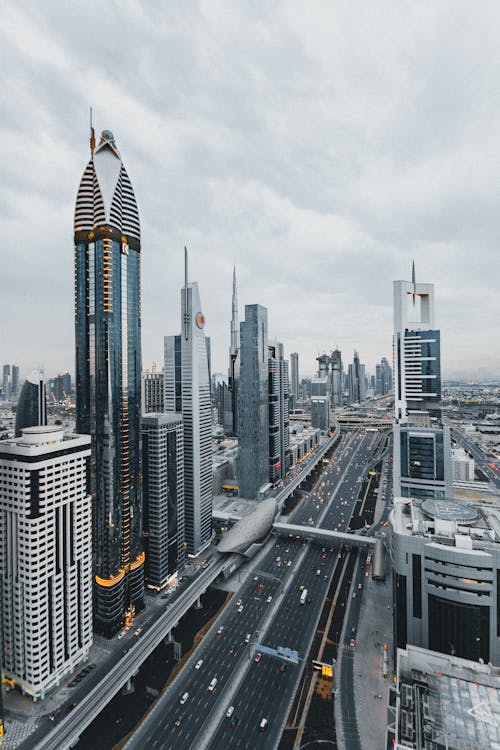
(378, 561)
(303, 596)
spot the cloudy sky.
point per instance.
(319, 146)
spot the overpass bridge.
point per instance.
(314, 534)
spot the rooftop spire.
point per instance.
(186, 309)
(235, 331)
(92, 135)
(413, 281)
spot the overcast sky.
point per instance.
(320, 146)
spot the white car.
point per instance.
(269, 599)
(198, 664)
(247, 638)
(230, 712)
(184, 699)
(240, 609)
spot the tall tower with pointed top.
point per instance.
(108, 376)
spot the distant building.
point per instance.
(152, 392)
(187, 390)
(320, 404)
(15, 381)
(279, 436)
(32, 404)
(422, 453)
(383, 378)
(253, 402)
(336, 377)
(230, 416)
(163, 492)
(45, 556)
(6, 383)
(446, 570)
(294, 375)
(357, 381)
(59, 387)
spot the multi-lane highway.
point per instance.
(271, 615)
(482, 462)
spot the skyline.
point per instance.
(389, 159)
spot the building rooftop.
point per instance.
(449, 521)
(445, 702)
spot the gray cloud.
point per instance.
(320, 147)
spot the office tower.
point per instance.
(253, 402)
(15, 381)
(187, 390)
(45, 556)
(224, 403)
(446, 573)
(108, 377)
(357, 381)
(336, 377)
(294, 375)
(32, 404)
(152, 392)
(383, 378)
(320, 403)
(6, 383)
(279, 434)
(422, 454)
(231, 419)
(163, 494)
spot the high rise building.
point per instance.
(108, 377)
(152, 391)
(187, 390)
(294, 375)
(231, 418)
(32, 404)
(357, 381)
(15, 381)
(253, 402)
(422, 453)
(279, 433)
(383, 378)
(6, 383)
(45, 556)
(336, 377)
(320, 403)
(163, 492)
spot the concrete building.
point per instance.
(357, 381)
(187, 390)
(446, 569)
(15, 382)
(463, 465)
(279, 436)
(153, 400)
(253, 402)
(303, 440)
(336, 377)
(45, 556)
(6, 383)
(422, 453)
(294, 376)
(443, 703)
(320, 403)
(383, 378)
(163, 493)
(32, 405)
(107, 258)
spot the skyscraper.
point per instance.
(6, 382)
(152, 391)
(232, 428)
(336, 377)
(383, 378)
(422, 454)
(15, 381)
(108, 376)
(320, 403)
(32, 405)
(294, 375)
(187, 389)
(279, 433)
(357, 381)
(163, 467)
(45, 556)
(253, 402)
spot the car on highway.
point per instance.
(238, 603)
(269, 599)
(212, 685)
(263, 725)
(360, 585)
(177, 722)
(240, 609)
(230, 712)
(220, 630)
(354, 595)
(198, 664)
(231, 651)
(247, 637)
(234, 722)
(282, 667)
(258, 657)
(184, 698)
(352, 642)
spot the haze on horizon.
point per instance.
(320, 149)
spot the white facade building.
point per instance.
(45, 556)
(463, 465)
